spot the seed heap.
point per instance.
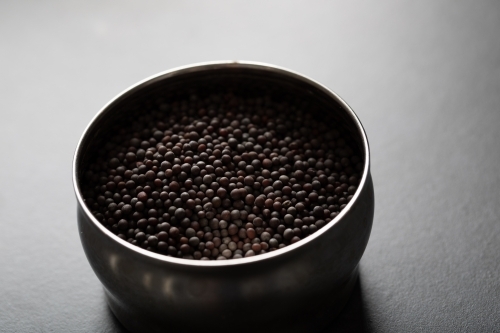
(221, 176)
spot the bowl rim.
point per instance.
(214, 65)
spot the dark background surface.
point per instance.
(423, 76)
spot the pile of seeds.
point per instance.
(221, 176)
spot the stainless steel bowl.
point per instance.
(295, 289)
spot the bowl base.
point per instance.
(330, 307)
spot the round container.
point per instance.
(299, 288)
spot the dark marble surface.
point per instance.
(423, 76)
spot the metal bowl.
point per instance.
(299, 288)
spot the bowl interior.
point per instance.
(205, 79)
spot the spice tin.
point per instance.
(299, 288)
